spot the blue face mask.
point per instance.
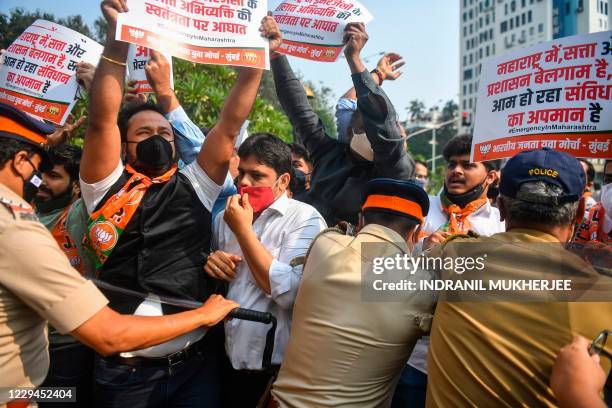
(420, 183)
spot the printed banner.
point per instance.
(38, 75)
(314, 29)
(137, 58)
(220, 32)
(555, 94)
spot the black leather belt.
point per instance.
(166, 361)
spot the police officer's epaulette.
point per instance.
(301, 260)
(469, 235)
(19, 211)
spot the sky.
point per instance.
(425, 33)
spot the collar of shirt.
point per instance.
(9, 194)
(528, 235)
(280, 205)
(386, 234)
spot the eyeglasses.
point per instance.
(599, 344)
(421, 177)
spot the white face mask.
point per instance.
(361, 145)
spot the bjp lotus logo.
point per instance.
(330, 53)
(104, 235)
(484, 149)
(251, 57)
(53, 110)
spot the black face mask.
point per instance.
(54, 203)
(32, 184)
(464, 199)
(154, 155)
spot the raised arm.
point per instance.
(380, 119)
(386, 70)
(102, 147)
(219, 144)
(294, 101)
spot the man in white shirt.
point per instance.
(461, 207)
(261, 237)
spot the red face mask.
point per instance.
(260, 198)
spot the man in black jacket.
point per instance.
(375, 149)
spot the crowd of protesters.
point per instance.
(99, 246)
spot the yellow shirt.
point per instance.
(343, 350)
(37, 284)
(501, 353)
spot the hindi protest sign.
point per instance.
(314, 29)
(220, 32)
(38, 75)
(137, 58)
(555, 94)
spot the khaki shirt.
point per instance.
(37, 284)
(501, 353)
(344, 351)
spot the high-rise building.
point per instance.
(495, 27)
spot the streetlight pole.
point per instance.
(433, 151)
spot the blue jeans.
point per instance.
(411, 389)
(192, 383)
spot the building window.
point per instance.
(471, 28)
(464, 104)
(503, 27)
(529, 16)
(470, 103)
(511, 23)
(517, 21)
(467, 74)
(506, 9)
(606, 9)
(470, 88)
(464, 89)
(513, 6)
(464, 60)
(493, 49)
(523, 3)
(465, 31)
(541, 28)
(471, 14)
(487, 20)
(531, 31)
(491, 33)
(464, 16)
(480, 53)
(471, 58)
(523, 19)
(487, 51)
(568, 8)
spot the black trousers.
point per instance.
(71, 365)
(244, 388)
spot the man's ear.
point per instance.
(20, 161)
(580, 211)
(284, 181)
(414, 235)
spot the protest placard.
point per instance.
(555, 94)
(38, 75)
(137, 58)
(314, 29)
(221, 32)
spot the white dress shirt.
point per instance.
(286, 229)
(485, 221)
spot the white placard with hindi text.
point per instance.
(220, 32)
(314, 29)
(555, 94)
(38, 74)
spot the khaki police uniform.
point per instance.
(343, 350)
(37, 284)
(501, 354)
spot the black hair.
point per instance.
(590, 170)
(462, 145)
(421, 162)
(401, 224)
(10, 147)
(268, 150)
(132, 109)
(299, 151)
(68, 156)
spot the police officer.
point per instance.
(344, 351)
(38, 284)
